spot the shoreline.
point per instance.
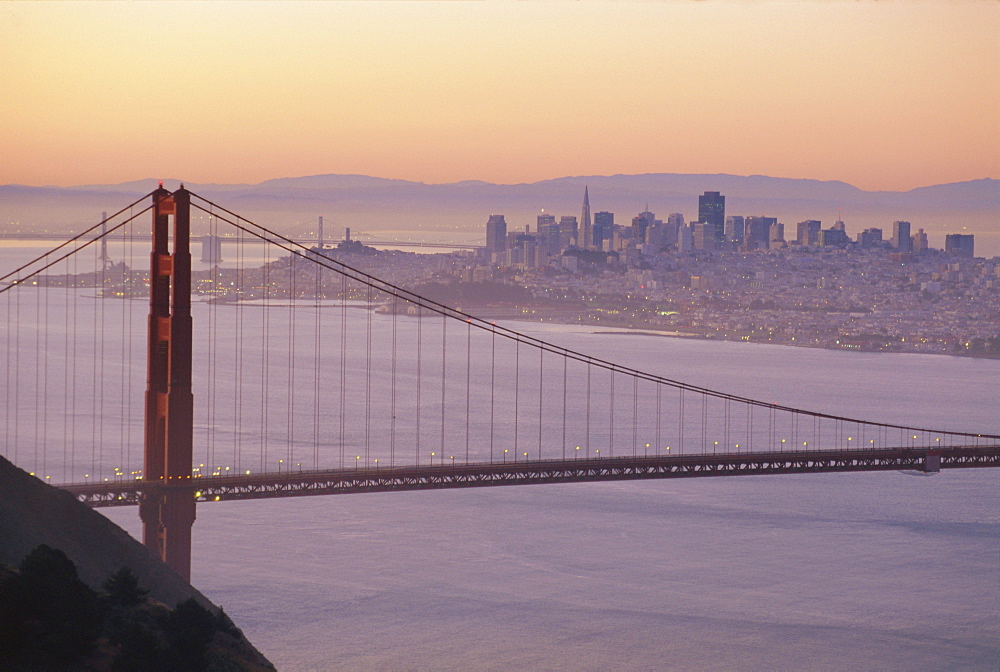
(639, 331)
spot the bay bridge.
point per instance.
(293, 385)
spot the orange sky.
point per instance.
(884, 95)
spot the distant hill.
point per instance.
(460, 209)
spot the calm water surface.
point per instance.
(838, 571)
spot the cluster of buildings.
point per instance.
(747, 278)
(562, 241)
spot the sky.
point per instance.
(886, 95)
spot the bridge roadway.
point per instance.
(481, 474)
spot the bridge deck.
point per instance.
(429, 477)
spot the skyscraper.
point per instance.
(496, 235)
(586, 228)
(712, 210)
(604, 228)
(544, 220)
(961, 244)
(734, 229)
(808, 232)
(567, 231)
(901, 236)
(672, 232)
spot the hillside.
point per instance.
(33, 513)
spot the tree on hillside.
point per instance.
(123, 589)
(48, 616)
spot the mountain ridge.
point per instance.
(367, 203)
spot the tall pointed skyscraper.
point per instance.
(586, 227)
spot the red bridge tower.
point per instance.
(168, 511)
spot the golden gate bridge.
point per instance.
(304, 389)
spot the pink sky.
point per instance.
(884, 95)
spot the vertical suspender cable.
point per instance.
(444, 359)
(517, 392)
(657, 445)
(541, 369)
(392, 393)
(493, 377)
(292, 295)
(103, 299)
(317, 357)
(589, 367)
(343, 364)
(368, 379)
(635, 414)
(241, 294)
(565, 375)
(468, 386)
(265, 355)
(43, 294)
(611, 418)
(67, 418)
(420, 341)
(680, 419)
(17, 364)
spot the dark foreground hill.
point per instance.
(33, 514)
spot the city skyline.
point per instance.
(884, 96)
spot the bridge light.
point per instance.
(217, 498)
(198, 494)
(248, 472)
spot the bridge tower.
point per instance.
(168, 511)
